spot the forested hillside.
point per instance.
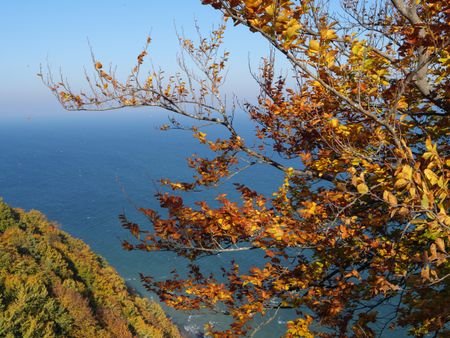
(53, 285)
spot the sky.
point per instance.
(57, 32)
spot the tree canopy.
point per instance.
(53, 285)
(356, 237)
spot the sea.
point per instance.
(84, 169)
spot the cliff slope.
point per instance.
(53, 285)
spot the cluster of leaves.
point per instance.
(356, 237)
(52, 285)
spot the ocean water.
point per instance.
(83, 170)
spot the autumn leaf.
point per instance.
(362, 188)
(314, 46)
(328, 34)
(390, 198)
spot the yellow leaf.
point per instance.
(428, 144)
(407, 170)
(403, 211)
(293, 27)
(358, 48)
(425, 273)
(427, 155)
(314, 46)
(362, 188)
(330, 58)
(431, 176)
(440, 244)
(270, 10)
(433, 252)
(425, 202)
(334, 123)
(402, 104)
(390, 198)
(400, 183)
(289, 171)
(328, 34)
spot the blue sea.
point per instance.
(84, 169)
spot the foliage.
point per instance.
(52, 285)
(8, 217)
(356, 237)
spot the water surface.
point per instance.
(84, 170)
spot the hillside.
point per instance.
(53, 285)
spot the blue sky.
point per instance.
(32, 32)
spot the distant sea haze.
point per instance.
(84, 170)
